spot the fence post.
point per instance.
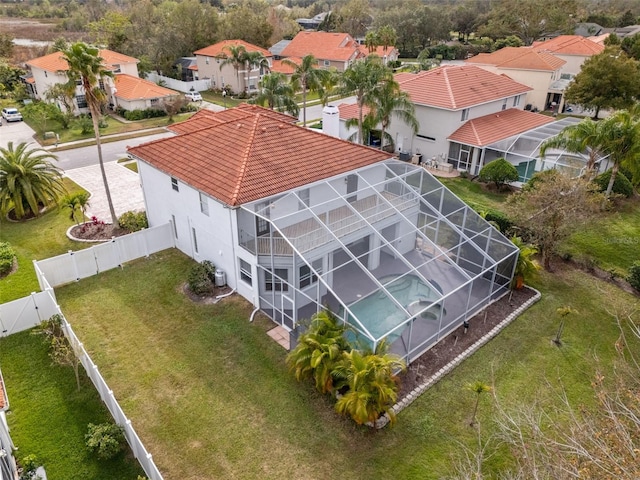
(75, 265)
(116, 247)
(38, 274)
(145, 243)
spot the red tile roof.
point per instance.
(242, 161)
(350, 110)
(520, 58)
(570, 45)
(485, 130)
(458, 86)
(208, 118)
(280, 67)
(220, 49)
(324, 46)
(379, 50)
(54, 62)
(134, 88)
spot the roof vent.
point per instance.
(239, 125)
(264, 129)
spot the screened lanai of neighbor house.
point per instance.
(523, 151)
(396, 255)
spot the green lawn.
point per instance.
(204, 378)
(218, 99)
(35, 239)
(49, 416)
(475, 193)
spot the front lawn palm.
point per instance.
(28, 179)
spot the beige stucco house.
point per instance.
(210, 66)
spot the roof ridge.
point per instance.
(245, 159)
(475, 130)
(449, 89)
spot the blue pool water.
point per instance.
(379, 314)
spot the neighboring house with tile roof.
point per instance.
(573, 49)
(536, 69)
(299, 221)
(332, 49)
(125, 89)
(209, 61)
(8, 469)
(133, 93)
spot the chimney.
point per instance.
(331, 121)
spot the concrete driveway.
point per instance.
(124, 185)
(16, 132)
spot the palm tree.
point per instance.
(319, 350)
(362, 79)
(564, 312)
(586, 135)
(373, 384)
(623, 128)
(389, 101)
(255, 60)
(525, 265)
(277, 93)
(236, 58)
(86, 68)
(308, 78)
(27, 179)
(75, 202)
(479, 388)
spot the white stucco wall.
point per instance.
(212, 68)
(215, 232)
(574, 63)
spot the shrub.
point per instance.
(7, 254)
(133, 221)
(106, 440)
(84, 123)
(634, 275)
(211, 269)
(198, 280)
(621, 185)
(499, 171)
(28, 467)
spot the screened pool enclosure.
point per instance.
(387, 248)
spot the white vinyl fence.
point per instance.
(72, 266)
(27, 312)
(174, 84)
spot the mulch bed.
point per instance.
(458, 341)
(96, 231)
(208, 298)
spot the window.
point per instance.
(504, 104)
(206, 60)
(116, 69)
(155, 101)
(101, 84)
(175, 228)
(81, 100)
(245, 271)
(327, 63)
(195, 239)
(274, 284)
(307, 276)
(204, 204)
(516, 100)
(45, 74)
(174, 184)
(465, 115)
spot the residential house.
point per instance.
(573, 49)
(187, 67)
(133, 93)
(536, 69)
(299, 221)
(8, 469)
(210, 66)
(312, 23)
(125, 89)
(332, 50)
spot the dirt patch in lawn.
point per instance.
(458, 341)
(207, 298)
(96, 231)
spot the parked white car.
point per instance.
(193, 96)
(11, 114)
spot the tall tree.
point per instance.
(308, 78)
(361, 79)
(390, 101)
(248, 22)
(277, 93)
(255, 60)
(624, 143)
(236, 58)
(86, 68)
(530, 20)
(608, 80)
(355, 18)
(27, 179)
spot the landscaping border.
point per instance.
(416, 392)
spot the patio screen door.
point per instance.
(288, 315)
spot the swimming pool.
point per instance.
(379, 314)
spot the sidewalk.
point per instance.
(124, 185)
(104, 139)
